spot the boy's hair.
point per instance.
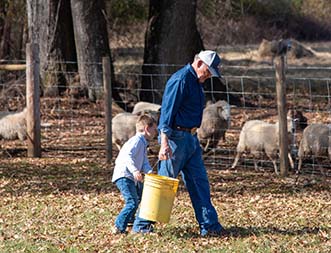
(144, 120)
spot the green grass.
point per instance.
(60, 205)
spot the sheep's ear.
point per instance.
(220, 111)
(222, 104)
(209, 102)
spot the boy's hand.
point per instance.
(138, 176)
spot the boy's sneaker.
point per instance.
(115, 231)
(149, 230)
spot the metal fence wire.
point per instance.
(73, 126)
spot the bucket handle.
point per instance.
(174, 187)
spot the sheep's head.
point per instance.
(298, 121)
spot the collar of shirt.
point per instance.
(142, 137)
(191, 69)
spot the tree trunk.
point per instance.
(2, 22)
(50, 25)
(22, 41)
(66, 31)
(5, 30)
(172, 38)
(91, 42)
(5, 41)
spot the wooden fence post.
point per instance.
(108, 106)
(282, 113)
(33, 100)
(12, 67)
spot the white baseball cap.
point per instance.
(212, 60)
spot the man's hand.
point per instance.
(165, 152)
(138, 176)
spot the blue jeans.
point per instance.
(132, 196)
(187, 159)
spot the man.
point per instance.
(181, 114)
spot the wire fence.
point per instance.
(73, 126)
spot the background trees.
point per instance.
(12, 29)
(68, 32)
(174, 31)
(91, 39)
(50, 26)
(171, 38)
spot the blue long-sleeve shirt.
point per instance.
(132, 157)
(182, 102)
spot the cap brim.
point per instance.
(214, 72)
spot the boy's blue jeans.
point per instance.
(187, 159)
(132, 196)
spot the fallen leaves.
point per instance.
(70, 204)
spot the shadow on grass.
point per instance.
(51, 176)
(243, 181)
(257, 231)
(58, 175)
(242, 232)
(14, 152)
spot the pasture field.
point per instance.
(69, 205)
(65, 201)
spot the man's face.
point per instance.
(203, 72)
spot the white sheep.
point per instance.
(13, 125)
(215, 121)
(141, 107)
(258, 136)
(316, 141)
(123, 128)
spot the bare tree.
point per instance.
(171, 38)
(91, 43)
(50, 26)
(5, 40)
(67, 31)
(6, 11)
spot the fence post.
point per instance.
(282, 113)
(108, 106)
(33, 100)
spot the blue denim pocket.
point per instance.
(177, 135)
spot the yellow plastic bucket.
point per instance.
(158, 197)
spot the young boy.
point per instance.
(132, 160)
